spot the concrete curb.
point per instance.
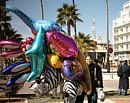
(110, 76)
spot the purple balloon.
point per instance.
(66, 70)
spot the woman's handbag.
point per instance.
(100, 94)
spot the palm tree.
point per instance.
(107, 34)
(66, 16)
(73, 2)
(75, 30)
(61, 20)
(41, 4)
(85, 43)
(7, 33)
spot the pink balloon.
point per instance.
(9, 44)
(23, 45)
(11, 54)
(34, 32)
(26, 45)
(29, 40)
(65, 45)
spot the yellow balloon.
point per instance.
(54, 60)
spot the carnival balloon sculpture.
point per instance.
(34, 24)
(13, 46)
(38, 49)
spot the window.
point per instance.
(126, 29)
(127, 47)
(126, 37)
(121, 39)
(126, 8)
(121, 30)
(122, 47)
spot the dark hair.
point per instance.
(96, 60)
(125, 62)
(89, 56)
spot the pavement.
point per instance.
(110, 77)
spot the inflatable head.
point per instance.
(75, 67)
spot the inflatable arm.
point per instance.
(37, 54)
(86, 82)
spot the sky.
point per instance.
(87, 9)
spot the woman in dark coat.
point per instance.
(123, 72)
(96, 80)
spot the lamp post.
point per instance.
(107, 34)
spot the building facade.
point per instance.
(121, 34)
(101, 51)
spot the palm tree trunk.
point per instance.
(74, 22)
(73, 2)
(69, 29)
(41, 4)
(75, 30)
(107, 34)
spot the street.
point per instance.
(110, 85)
(110, 81)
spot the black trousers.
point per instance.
(80, 98)
(92, 98)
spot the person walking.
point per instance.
(96, 80)
(123, 72)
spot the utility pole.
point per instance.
(107, 34)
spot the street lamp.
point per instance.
(107, 34)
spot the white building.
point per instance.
(101, 51)
(121, 34)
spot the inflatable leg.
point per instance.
(86, 82)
